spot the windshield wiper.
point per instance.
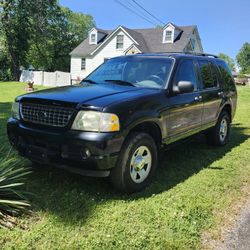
(121, 82)
(89, 81)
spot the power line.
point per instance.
(156, 18)
(136, 13)
(139, 10)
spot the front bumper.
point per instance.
(76, 149)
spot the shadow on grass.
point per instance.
(73, 198)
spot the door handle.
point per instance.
(198, 98)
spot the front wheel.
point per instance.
(136, 163)
(220, 133)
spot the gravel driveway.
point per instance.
(239, 237)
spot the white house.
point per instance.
(101, 45)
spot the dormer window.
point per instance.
(170, 33)
(93, 38)
(168, 36)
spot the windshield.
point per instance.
(151, 72)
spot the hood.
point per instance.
(83, 94)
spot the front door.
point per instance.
(186, 109)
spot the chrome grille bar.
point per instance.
(46, 114)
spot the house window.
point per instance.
(92, 38)
(168, 36)
(192, 40)
(83, 64)
(119, 41)
(189, 47)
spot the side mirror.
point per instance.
(183, 87)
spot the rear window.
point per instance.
(208, 75)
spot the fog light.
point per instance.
(85, 153)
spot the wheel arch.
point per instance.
(228, 108)
(149, 127)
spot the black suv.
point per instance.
(115, 121)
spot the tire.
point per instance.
(136, 163)
(219, 135)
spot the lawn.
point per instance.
(194, 187)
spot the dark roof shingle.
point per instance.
(149, 40)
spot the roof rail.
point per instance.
(191, 53)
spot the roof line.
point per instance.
(132, 45)
(110, 35)
(175, 26)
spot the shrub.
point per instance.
(12, 175)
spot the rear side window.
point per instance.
(223, 66)
(215, 74)
(226, 75)
(186, 72)
(208, 75)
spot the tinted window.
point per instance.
(208, 75)
(226, 76)
(214, 74)
(186, 72)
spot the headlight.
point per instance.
(96, 121)
(15, 110)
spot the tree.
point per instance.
(40, 33)
(5, 73)
(243, 58)
(56, 35)
(79, 23)
(14, 25)
(5, 62)
(228, 60)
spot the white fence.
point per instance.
(57, 78)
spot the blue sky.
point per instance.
(224, 25)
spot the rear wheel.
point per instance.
(220, 133)
(136, 163)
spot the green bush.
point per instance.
(12, 175)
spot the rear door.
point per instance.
(211, 94)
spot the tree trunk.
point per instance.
(14, 58)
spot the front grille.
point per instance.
(46, 114)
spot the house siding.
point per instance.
(198, 46)
(75, 67)
(92, 62)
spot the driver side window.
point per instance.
(186, 72)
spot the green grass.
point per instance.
(194, 186)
